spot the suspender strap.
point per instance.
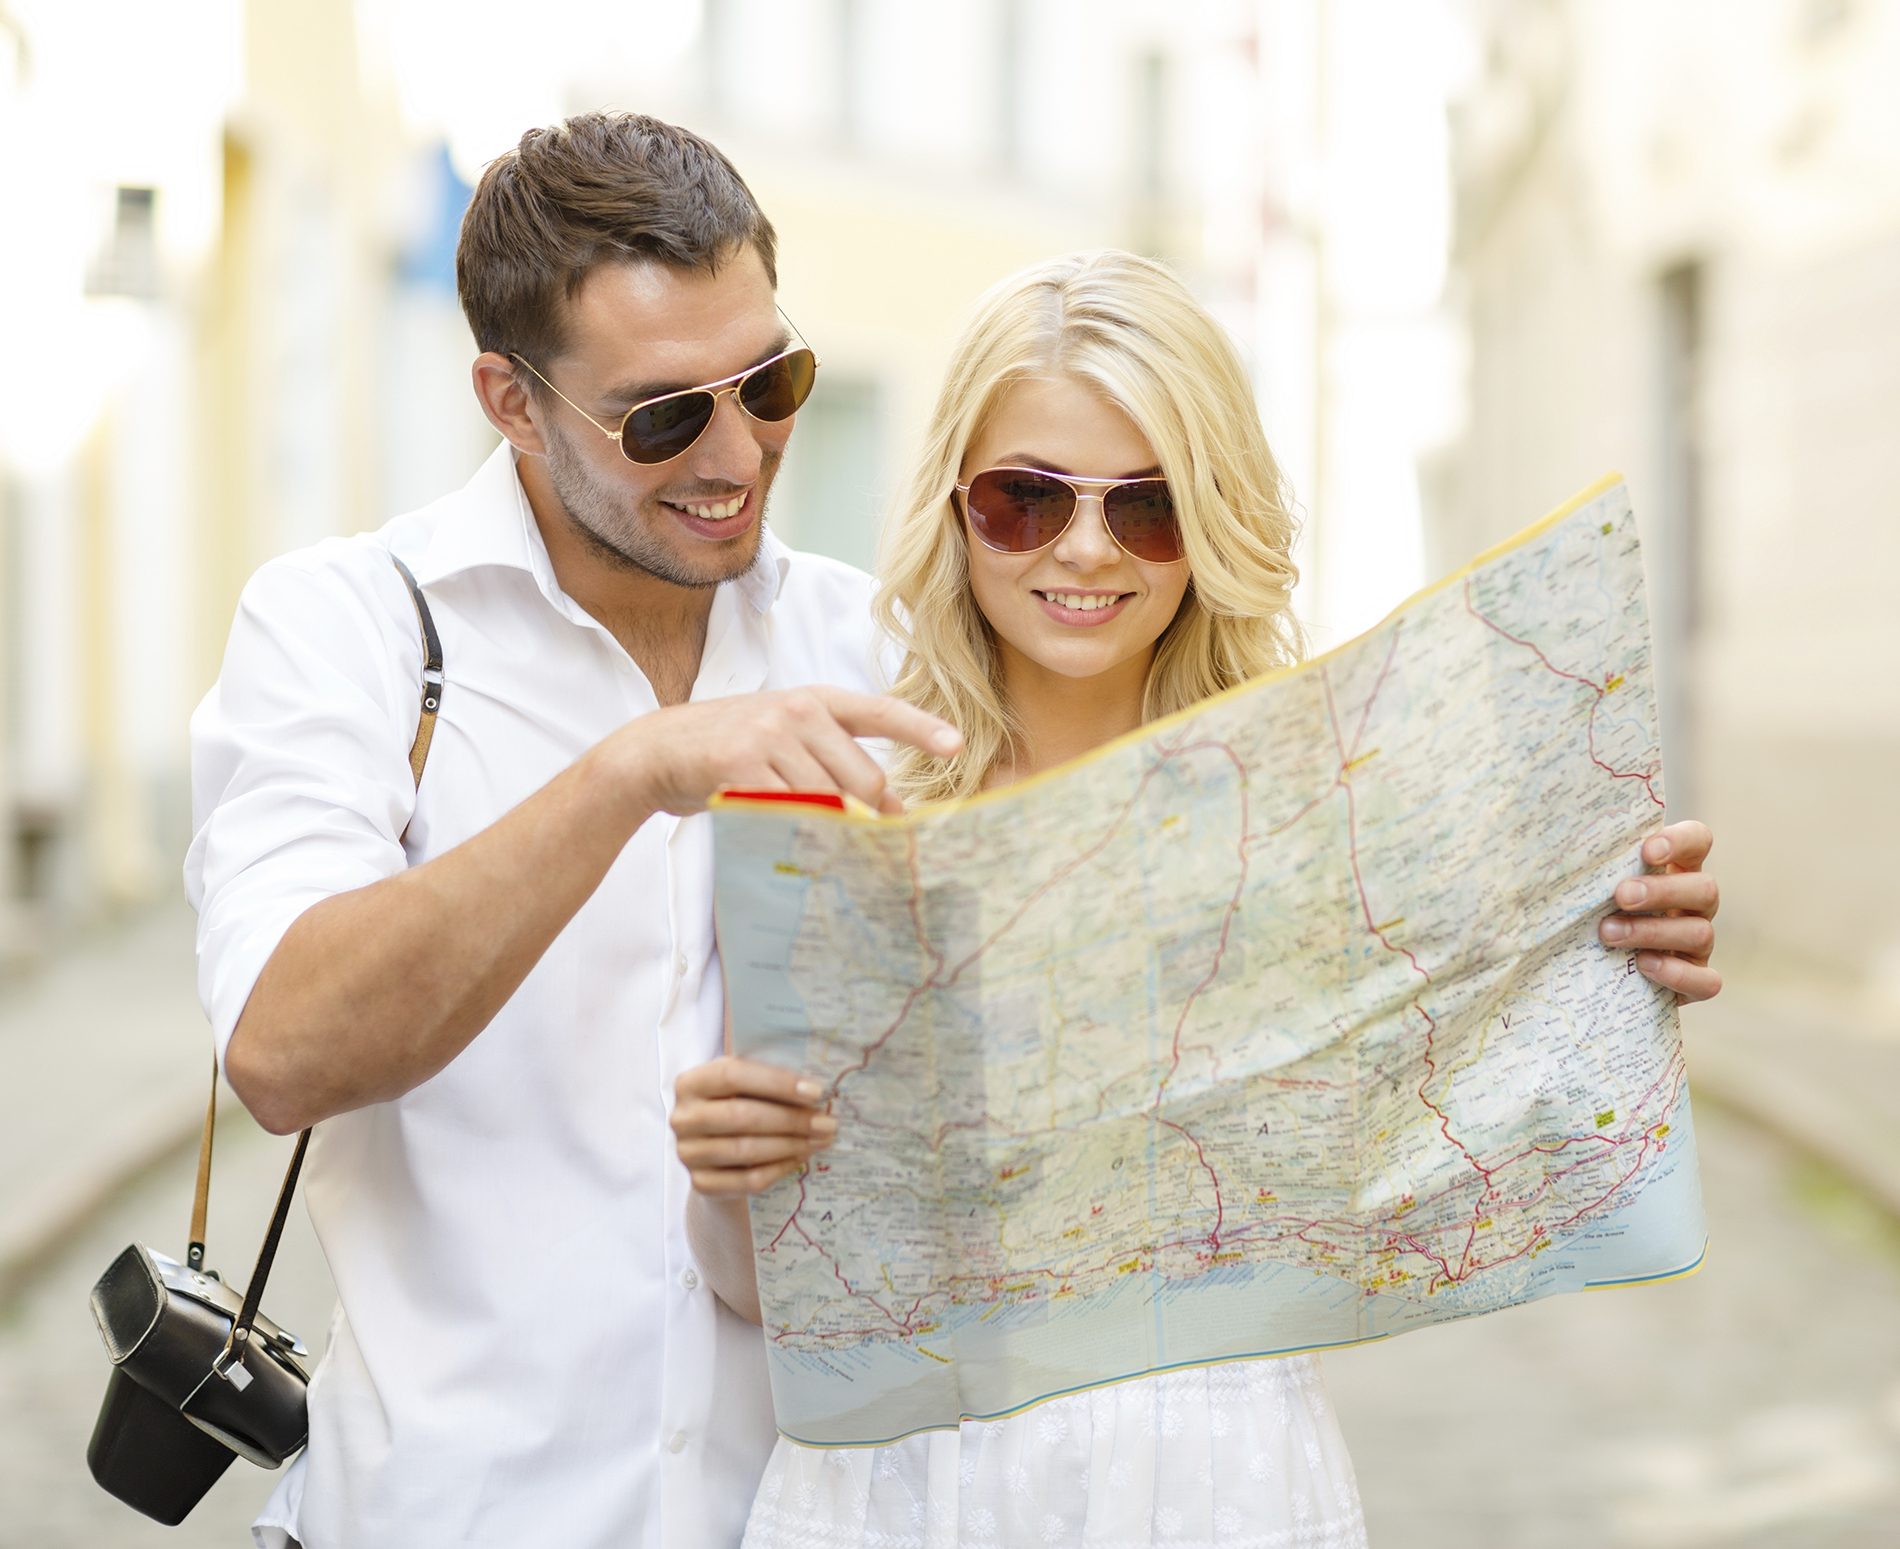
(431, 672)
(254, 1291)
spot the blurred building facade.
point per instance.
(1678, 253)
(239, 299)
(228, 256)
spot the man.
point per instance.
(481, 988)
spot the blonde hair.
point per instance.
(1129, 329)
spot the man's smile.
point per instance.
(711, 510)
(716, 518)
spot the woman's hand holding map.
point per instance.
(1669, 916)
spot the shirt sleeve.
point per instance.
(301, 786)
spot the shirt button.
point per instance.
(690, 1280)
(679, 964)
(676, 1442)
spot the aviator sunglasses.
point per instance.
(1021, 510)
(656, 430)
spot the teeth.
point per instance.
(716, 511)
(1082, 604)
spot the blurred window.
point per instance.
(1148, 226)
(1677, 574)
(441, 198)
(128, 263)
(829, 496)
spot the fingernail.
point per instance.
(1656, 849)
(823, 1124)
(1632, 895)
(1616, 930)
(810, 1090)
(948, 740)
(1648, 962)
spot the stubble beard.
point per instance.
(630, 536)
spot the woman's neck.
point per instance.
(1061, 718)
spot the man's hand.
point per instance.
(800, 739)
(742, 1125)
(1669, 915)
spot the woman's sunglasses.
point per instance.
(1021, 510)
(659, 429)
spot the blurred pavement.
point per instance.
(1824, 1076)
(1756, 1404)
(105, 1058)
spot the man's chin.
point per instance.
(728, 560)
(694, 563)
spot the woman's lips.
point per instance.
(1083, 618)
(715, 528)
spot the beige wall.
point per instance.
(1783, 183)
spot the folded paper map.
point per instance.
(1279, 1024)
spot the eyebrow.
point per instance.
(629, 393)
(1049, 465)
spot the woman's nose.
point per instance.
(1086, 543)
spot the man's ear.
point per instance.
(506, 403)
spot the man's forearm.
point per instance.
(372, 992)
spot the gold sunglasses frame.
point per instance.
(1101, 488)
(730, 384)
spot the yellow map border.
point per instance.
(856, 812)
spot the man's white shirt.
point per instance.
(524, 1352)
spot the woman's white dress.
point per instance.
(1245, 1455)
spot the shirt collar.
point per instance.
(489, 522)
(485, 522)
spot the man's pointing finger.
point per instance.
(878, 715)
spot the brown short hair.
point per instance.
(600, 188)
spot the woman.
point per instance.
(1096, 535)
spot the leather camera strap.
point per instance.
(254, 1291)
(195, 1256)
(201, 1196)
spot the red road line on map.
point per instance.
(929, 980)
(792, 1219)
(1365, 905)
(910, 999)
(1590, 726)
(1673, 1072)
(935, 979)
(1062, 872)
(1226, 928)
(1365, 716)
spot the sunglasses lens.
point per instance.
(779, 388)
(1016, 511)
(659, 431)
(1141, 516)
